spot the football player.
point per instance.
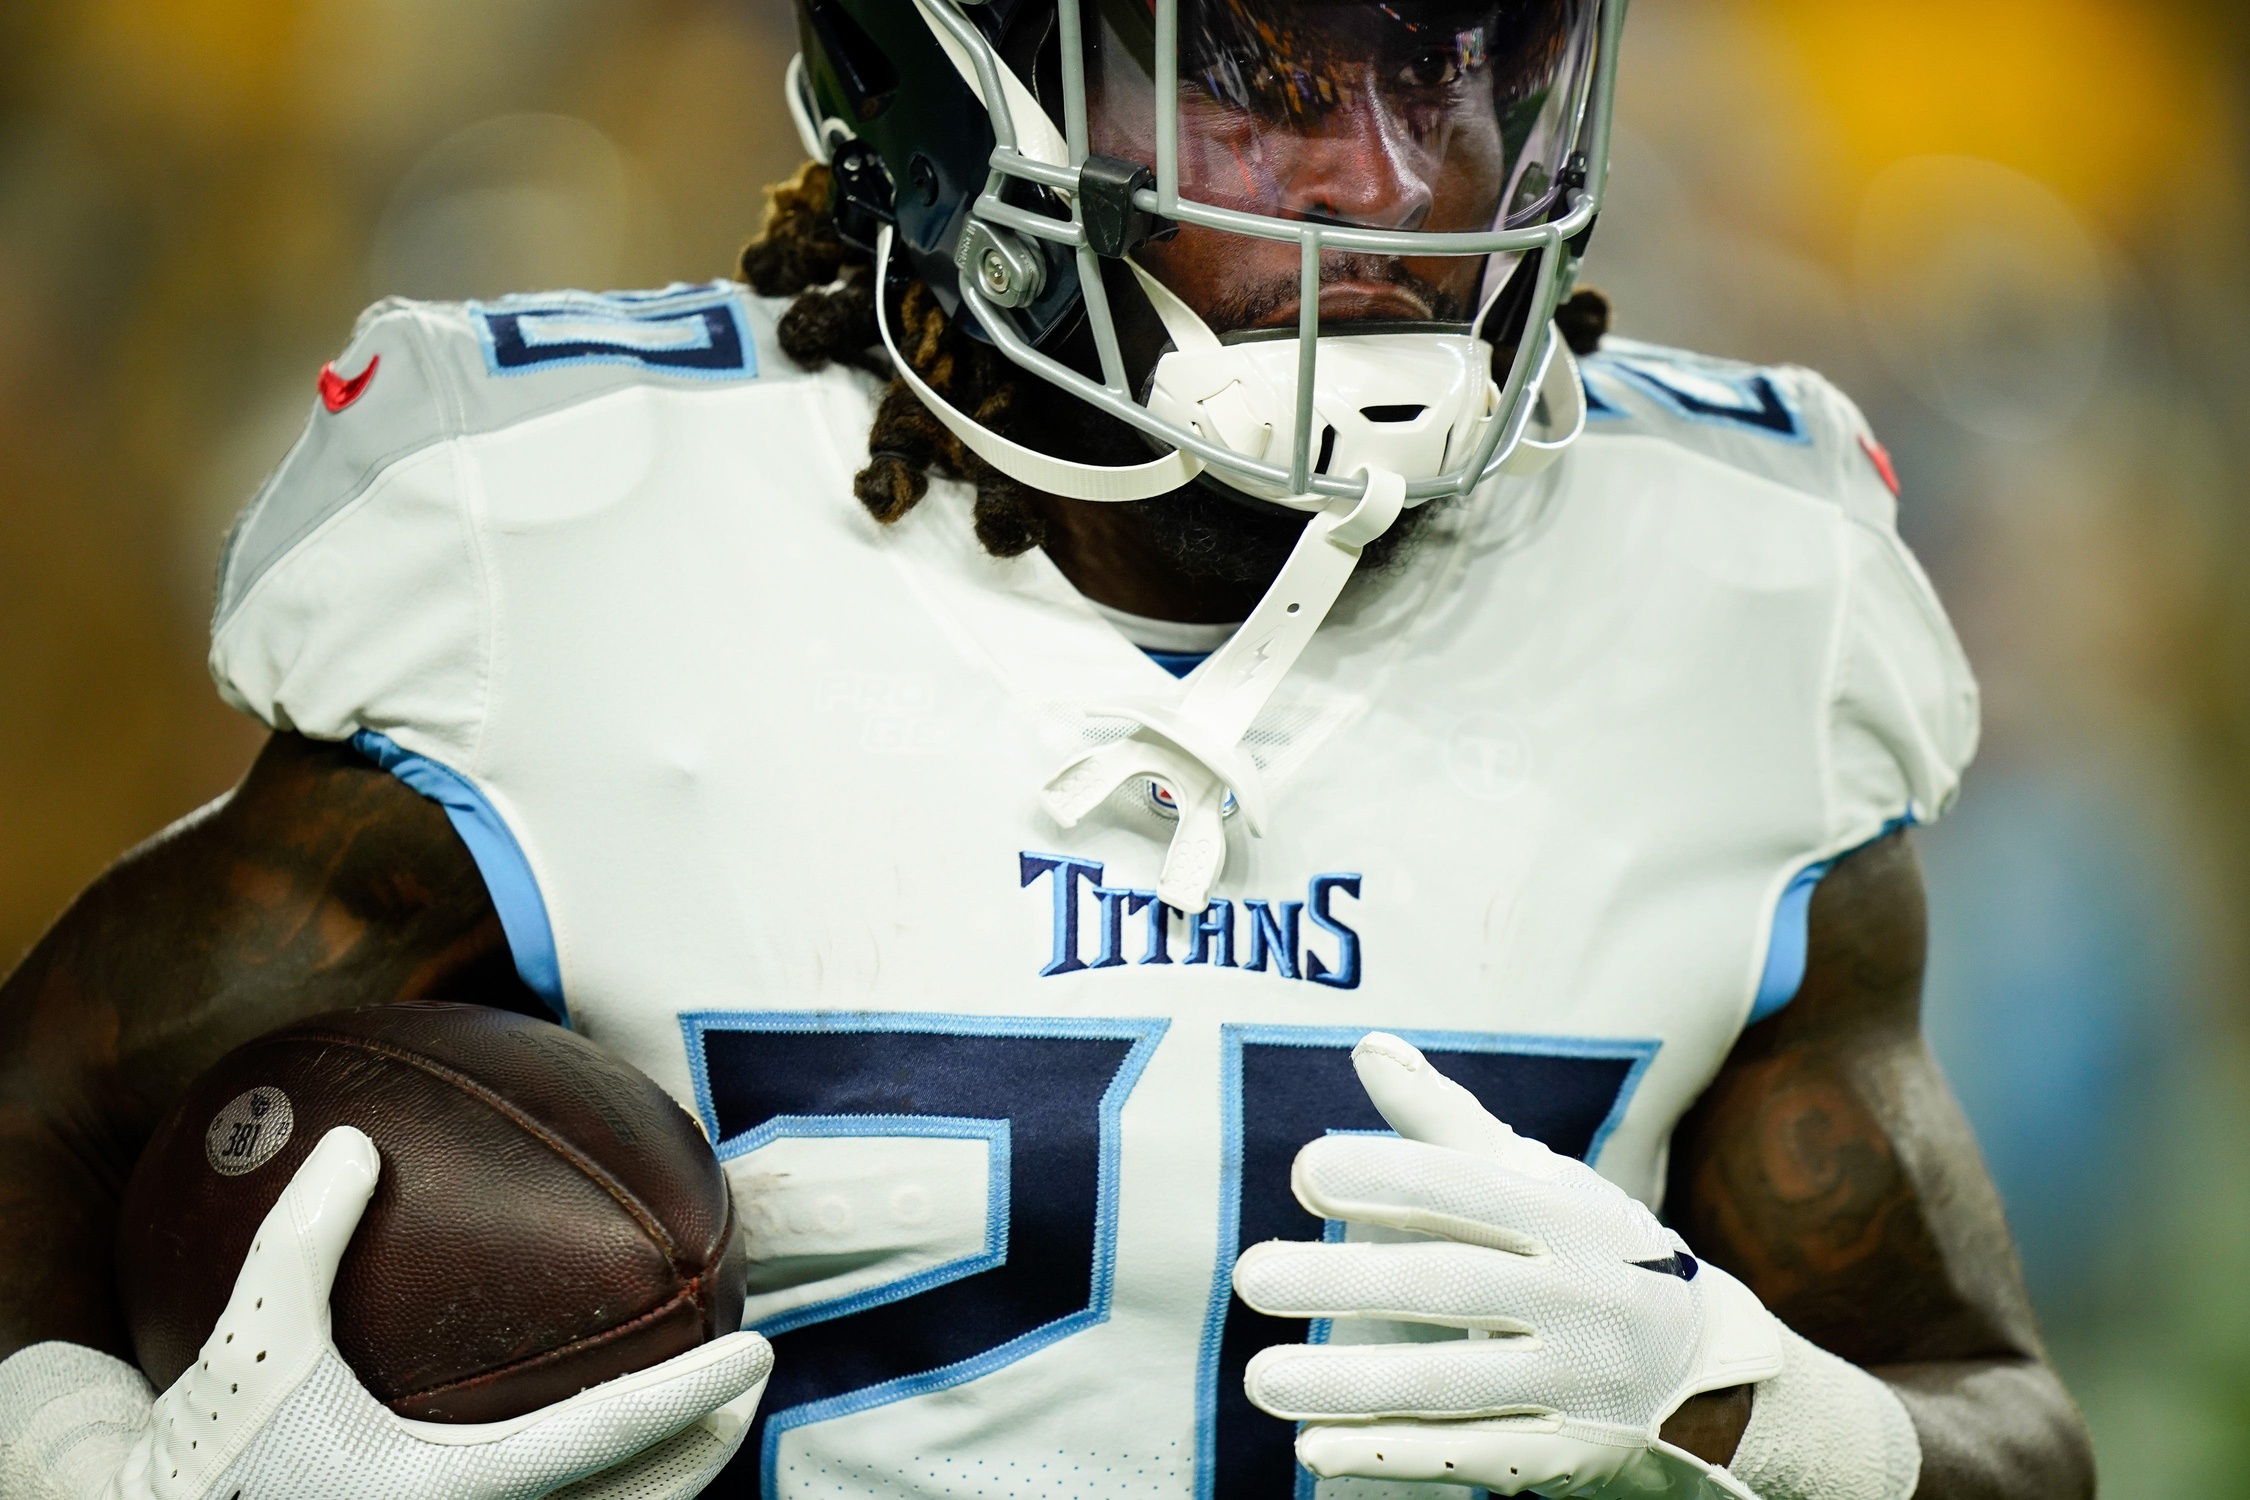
(1214, 798)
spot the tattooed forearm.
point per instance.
(321, 883)
(1829, 1167)
(1818, 1214)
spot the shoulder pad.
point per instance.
(1780, 422)
(416, 374)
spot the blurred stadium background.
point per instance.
(2015, 231)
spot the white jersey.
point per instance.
(753, 781)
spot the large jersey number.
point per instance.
(1042, 1096)
(1697, 392)
(1286, 1085)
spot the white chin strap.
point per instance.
(1053, 476)
(1191, 743)
(1194, 745)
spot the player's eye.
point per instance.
(1431, 70)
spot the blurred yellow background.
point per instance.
(2015, 231)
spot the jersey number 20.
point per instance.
(1044, 1096)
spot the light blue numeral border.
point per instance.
(1143, 1032)
(997, 1137)
(1232, 1039)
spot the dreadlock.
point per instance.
(1583, 320)
(831, 320)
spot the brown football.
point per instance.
(547, 1218)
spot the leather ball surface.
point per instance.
(546, 1217)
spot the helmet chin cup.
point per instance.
(1413, 404)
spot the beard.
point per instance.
(1210, 532)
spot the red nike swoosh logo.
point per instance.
(336, 392)
(1880, 456)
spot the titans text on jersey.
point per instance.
(752, 782)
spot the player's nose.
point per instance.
(1360, 165)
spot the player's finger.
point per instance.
(1449, 1285)
(601, 1427)
(1427, 1189)
(321, 1207)
(1422, 1104)
(273, 1331)
(1452, 1381)
(276, 1321)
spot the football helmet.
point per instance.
(1310, 249)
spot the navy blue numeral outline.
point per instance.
(1142, 1033)
(1233, 1037)
(1599, 408)
(1763, 410)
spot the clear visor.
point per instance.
(1411, 118)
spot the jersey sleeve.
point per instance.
(351, 594)
(1903, 716)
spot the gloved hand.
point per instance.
(1588, 1322)
(271, 1412)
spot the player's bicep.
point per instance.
(1829, 1166)
(319, 883)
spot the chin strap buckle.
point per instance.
(860, 195)
(1195, 747)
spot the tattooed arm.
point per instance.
(319, 883)
(1829, 1168)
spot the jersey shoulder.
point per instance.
(1899, 702)
(1782, 423)
(416, 375)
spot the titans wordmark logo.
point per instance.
(1273, 936)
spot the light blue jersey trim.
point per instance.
(499, 859)
(1792, 936)
(1143, 1032)
(1787, 949)
(1232, 1038)
(1599, 408)
(997, 1136)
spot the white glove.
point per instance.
(1588, 1321)
(271, 1412)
